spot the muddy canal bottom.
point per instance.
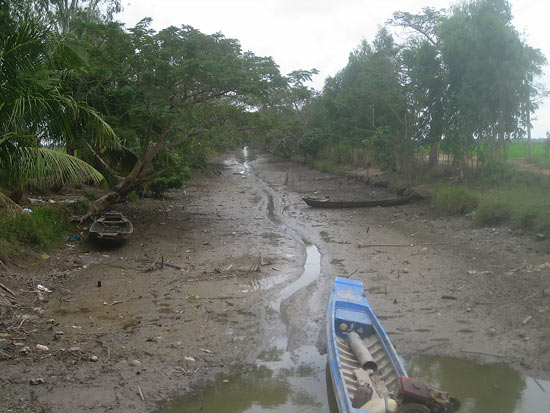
(297, 381)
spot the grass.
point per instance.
(328, 166)
(526, 208)
(41, 230)
(540, 152)
(454, 200)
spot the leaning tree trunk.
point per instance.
(119, 194)
(141, 173)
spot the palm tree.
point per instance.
(34, 112)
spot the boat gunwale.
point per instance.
(111, 230)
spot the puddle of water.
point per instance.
(289, 382)
(312, 270)
(483, 388)
(246, 165)
(297, 382)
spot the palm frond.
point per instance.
(43, 168)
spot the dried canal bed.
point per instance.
(285, 380)
(240, 295)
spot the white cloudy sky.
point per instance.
(305, 34)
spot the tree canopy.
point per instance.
(463, 79)
(135, 105)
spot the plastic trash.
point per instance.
(42, 288)
(73, 237)
(26, 211)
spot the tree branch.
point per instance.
(181, 140)
(103, 163)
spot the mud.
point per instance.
(214, 277)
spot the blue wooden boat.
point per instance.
(367, 374)
(349, 311)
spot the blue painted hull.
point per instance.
(349, 310)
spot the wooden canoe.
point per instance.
(111, 226)
(325, 203)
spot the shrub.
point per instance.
(160, 185)
(454, 200)
(310, 145)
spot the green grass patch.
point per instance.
(454, 200)
(526, 208)
(540, 152)
(41, 230)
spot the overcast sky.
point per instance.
(306, 34)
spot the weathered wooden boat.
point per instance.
(367, 374)
(112, 225)
(326, 203)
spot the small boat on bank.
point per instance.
(326, 203)
(367, 374)
(112, 225)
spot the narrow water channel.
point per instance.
(281, 381)
(312, 270)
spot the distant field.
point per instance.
(519, 150)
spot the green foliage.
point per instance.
(173, 97)
(79, 207)
(43, 168)
(346, 153)
(493, 170)
(133, 197)
(526, 208)
(311, 144)
(454, 200)
(464, 74)
(43, 229)
(490, 72)
(366, 102)
(388, 149)
(33, 108)
(172, 181)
